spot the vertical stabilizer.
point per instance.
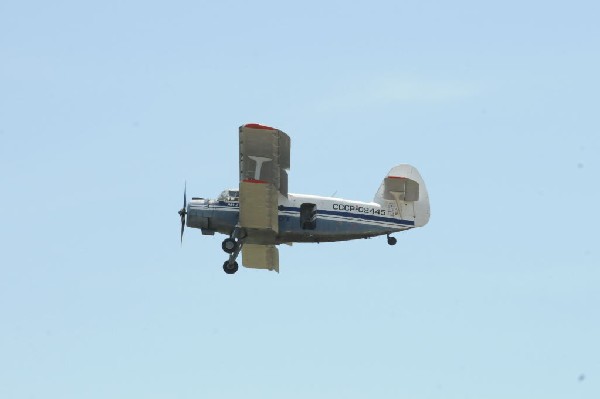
(403, 194)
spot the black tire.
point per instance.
(392, 240)
(230, 269)
(229, 245)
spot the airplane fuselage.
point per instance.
(305, 218)
(261, 213)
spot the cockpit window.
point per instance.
(229, 195)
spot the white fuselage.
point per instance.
(306, 218)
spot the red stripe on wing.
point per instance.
(258, 126)
(254, 181)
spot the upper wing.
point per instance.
(264, 155)
(264, 161)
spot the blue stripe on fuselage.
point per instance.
(354, 215)
(334, 213)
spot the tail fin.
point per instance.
(403, 194)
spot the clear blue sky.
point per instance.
(107, 107)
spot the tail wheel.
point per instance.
(392, 240)
(230, 269)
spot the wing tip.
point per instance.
(258, 126)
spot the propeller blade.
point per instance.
(182, 228)
(182, 212)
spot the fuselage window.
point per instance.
(308, 216)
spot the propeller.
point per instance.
(182, 212)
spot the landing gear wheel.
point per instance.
(230, 269)
(229, 245)
(392, 240)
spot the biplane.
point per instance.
(261, 214)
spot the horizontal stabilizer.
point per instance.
(401, 189)
(260, 257)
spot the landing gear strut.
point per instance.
(391, 240)
(233, 245)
